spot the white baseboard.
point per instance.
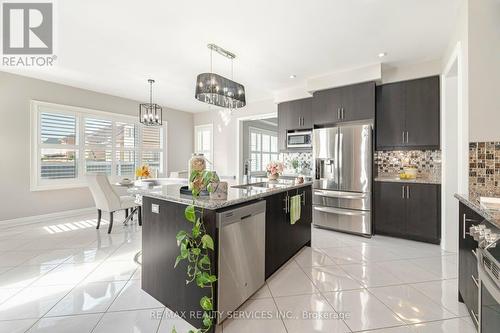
(44, 217)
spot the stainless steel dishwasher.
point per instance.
(241, 245)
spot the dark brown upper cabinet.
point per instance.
(282, 125)
(298, 114)
(350, 103)
(293, 115)
(408, 115)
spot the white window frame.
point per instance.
(204, 127)
(38, 184)
(260, 131)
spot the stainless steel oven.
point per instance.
(489, 280)
(299, 139)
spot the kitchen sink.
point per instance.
(261, 185)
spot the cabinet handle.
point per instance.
(286, 209)
(464, 217)
(476, 281)
(464, 221)
(338, 113)
(341, 113)
(403, 136)
(407, 192)
(407, 136)
(402, 192)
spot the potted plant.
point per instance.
(274, 170)
(295, 164)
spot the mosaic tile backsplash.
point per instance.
(484, 168)
(304, 161)
(428, 162)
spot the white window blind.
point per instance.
(58, 150)
(126, 155)
(69, 142)
(263, 148)
(98, 144)
(152, 146)
(204, 142)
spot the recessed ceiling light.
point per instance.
(382, 54)
(293, 76)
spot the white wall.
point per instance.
(15, 93)
(412, 71)
(226, 133)
(454, 127)
(484, 70)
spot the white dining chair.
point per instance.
(106, 199)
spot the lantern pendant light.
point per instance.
(150, 114)
(217, 90)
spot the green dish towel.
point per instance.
(295, 208)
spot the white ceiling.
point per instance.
(113, 46)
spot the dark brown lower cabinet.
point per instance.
(468, 291)
(408, 210)
(282, 238)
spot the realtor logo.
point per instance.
(27, 28)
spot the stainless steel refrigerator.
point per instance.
(343, 177)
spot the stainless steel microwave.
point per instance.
(299, 139)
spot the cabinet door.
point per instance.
(390, 209)
(467, 262)
(390, 116)
(358, 101)
(294, 117)
(282, 123)
(326, 106)
(301, 231)
(306, 113)
(423, 213)
(422, 113)
(277, 228)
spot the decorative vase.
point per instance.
(272, 176)
(197, 162)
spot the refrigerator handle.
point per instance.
(339, 159)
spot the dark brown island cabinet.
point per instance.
(468, 286)
(408, 210)
(159, 248)
(408, 115)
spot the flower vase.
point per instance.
(272, 176)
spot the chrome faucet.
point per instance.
(246, 169)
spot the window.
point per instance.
(203, 138)
(69, 142)
(263, 148)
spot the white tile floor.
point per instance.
(65, 276)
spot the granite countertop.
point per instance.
(418, 180)
(472, 201)
(170, 192)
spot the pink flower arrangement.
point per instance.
(274, 168)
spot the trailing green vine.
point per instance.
(195, 246)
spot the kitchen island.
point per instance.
(163, 217)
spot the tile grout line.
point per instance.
(275, 304)
(43, 316)
(107, 309)
(324, 297)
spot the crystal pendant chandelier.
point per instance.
(149, 113)
(217, 90)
